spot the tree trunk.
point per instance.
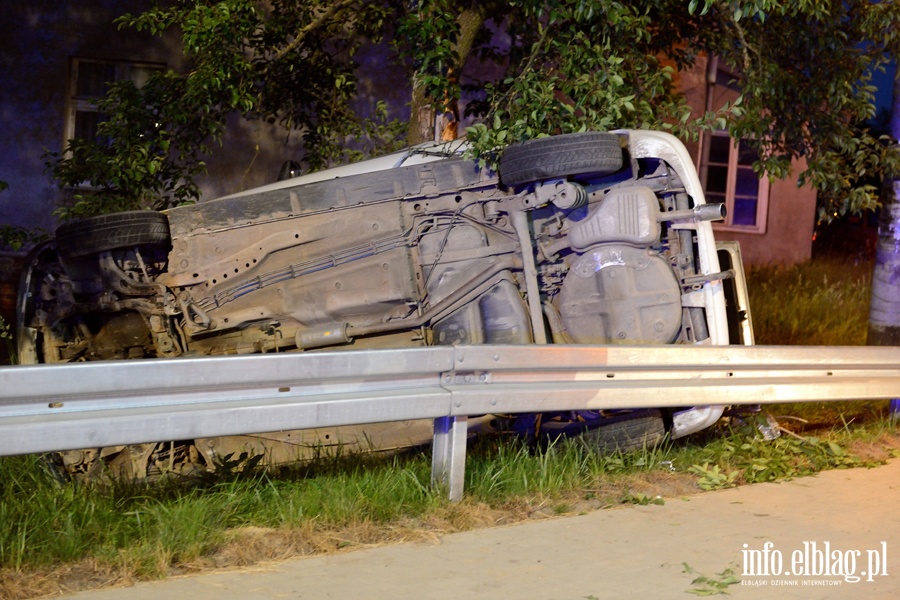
(422, 117)
(884, 312)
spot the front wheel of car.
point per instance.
(109, 232)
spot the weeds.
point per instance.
(644, 499)
(703, 585)
(741, 458)
(712, 477)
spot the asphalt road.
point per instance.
(833, 536)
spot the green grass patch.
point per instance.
(500, 469)
(147, 530)
(820, 303)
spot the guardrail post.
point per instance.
(448, 459)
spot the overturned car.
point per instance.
(589, 238)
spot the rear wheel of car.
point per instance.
(630, 432)
(108, 232)
(576, 154)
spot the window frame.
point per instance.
(76, 103)
(733, 168)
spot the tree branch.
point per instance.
(532, 58)
(328, 14)
(730, 23)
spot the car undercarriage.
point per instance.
(592, 238)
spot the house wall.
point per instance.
(789, 227)
(39, 36)
(791, 212)
(39, 39)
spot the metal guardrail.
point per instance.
(46, 408)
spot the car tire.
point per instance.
(571, 155)
(108, 232)
(632, 432)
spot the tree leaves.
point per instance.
(532, 68)
(806, 71)
(574, 68)
(288, 62)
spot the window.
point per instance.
(727, 176)
(88, 82)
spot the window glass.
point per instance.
(88, 83)
(717, 179)
(86, 124)
(744, 212)
(746, 183)
(140, 74)
(719, 149)
(747, 154)
(91, 78)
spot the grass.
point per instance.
(825, 302)
(70, 537)
(127, 532)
